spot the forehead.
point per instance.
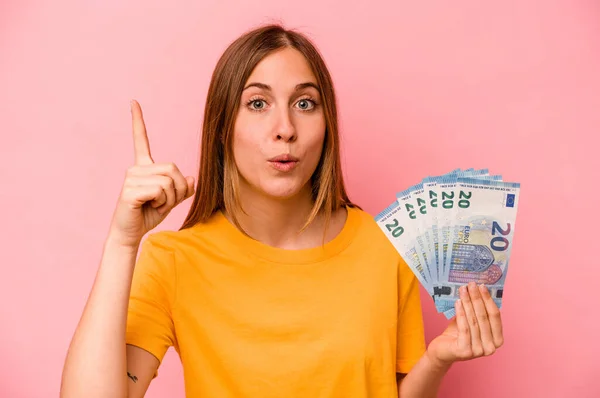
(283, 69)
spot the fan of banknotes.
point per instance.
(453, 229)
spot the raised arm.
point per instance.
(98, 362)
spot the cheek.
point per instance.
(249, 156)
(244, 152)
(314, 148)
(245, 144)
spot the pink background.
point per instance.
(424, 87)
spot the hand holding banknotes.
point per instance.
(476, 330)
(455, 232)
(455, 229)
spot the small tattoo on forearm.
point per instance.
(132, 377)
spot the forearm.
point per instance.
(424, 379)
(96, 360)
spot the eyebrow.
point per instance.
(298, 86)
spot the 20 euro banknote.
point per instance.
(481, 237)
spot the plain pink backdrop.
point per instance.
(424, 87)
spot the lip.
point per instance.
(284, 157)
(284, 162)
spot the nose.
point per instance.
(284, 128)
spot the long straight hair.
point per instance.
(218, 177)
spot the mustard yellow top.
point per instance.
(250, 320)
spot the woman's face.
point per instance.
(280, 127)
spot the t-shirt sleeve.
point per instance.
(410, 336)
(150, 317)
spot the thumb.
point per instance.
(190, 186)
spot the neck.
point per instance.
(276, 221)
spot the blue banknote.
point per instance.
(440, 226)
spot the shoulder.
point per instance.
(370, 234)
(367, 225)
(186, 239)
(167, 240)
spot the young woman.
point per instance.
(277, 285)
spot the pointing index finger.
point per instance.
(141, 145)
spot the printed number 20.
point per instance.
(395, 228)
(499, 243)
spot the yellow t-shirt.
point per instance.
(250, 320)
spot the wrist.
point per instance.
(116, 242)
(437, 363)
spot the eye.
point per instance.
(256, 104)
(259, 104)
(306, 104)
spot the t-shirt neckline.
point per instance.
(292, 256)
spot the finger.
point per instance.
(464, 334)
(485, 330)
(168, 187)
(166, 169)
(179, 182)
(166, 195)
(138, 195)
(141, 146)
(494, 316)
(476, 345)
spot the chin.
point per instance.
(282, 189)
(281, 192)
(279, 188)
